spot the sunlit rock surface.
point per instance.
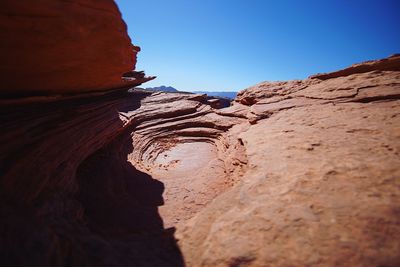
(92, 172)
(293, 173)
(297, 173)
(322, 182)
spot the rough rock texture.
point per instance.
(391, 64)
(59, 47)
(297, 173)
(90, 172)
(322, 184)
(185, 144)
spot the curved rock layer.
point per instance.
(193, 150)
(63, 47)
(297, 173)
(90, 172)
(322, 183)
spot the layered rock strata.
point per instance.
(297, 173)
(91, 172)
(63, 47)
(322, 182)
(163, 179)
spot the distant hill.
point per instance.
(163, 88)
(230, 95)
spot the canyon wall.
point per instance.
(296, 173)
(63, 47)
(293, 173)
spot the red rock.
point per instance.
(308, 168)
(391, 63)
(296, 173)
(95, 168)
(63, 47)
(320, 186)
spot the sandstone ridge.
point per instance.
(295, 173)
(320, 187)
(302, 166)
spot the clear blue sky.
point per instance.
(228, 45)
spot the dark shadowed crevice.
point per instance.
(377, 98)
(121, 205)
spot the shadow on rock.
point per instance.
(68, 195)
(121, 205)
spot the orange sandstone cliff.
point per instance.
(63, 47)
(296, 173)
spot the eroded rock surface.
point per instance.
(92, 171)
(297, 173)
(322, 182)
(63, 47)
(190, 148)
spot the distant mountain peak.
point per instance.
(163, 88)
(230, 95)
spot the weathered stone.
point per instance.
(320, 187)
(297, 173)
(63, 47)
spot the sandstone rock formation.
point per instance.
(321, 186)
(390, 64)
(90, 173)
(297, 173)
(63, 47)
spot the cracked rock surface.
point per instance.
(322, 184)
(296, 173)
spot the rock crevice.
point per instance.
(96, 173)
